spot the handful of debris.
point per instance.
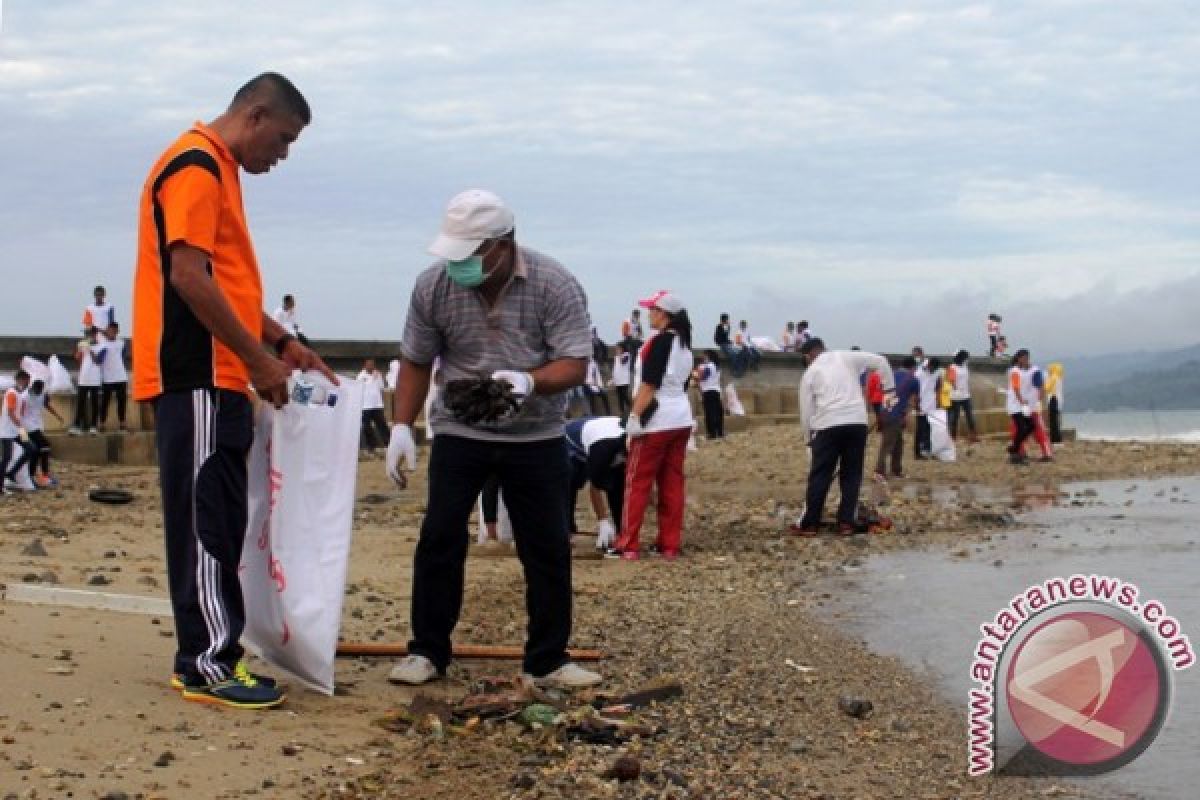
(474, 401)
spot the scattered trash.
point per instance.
(111, 497)
(857, 707)
(475, 401)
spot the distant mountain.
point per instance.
(1083, 372)
(1167, 389)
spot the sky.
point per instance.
(890, 171)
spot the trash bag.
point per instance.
(732, 404)
(302, 471)
(60, 380)
(941, 444)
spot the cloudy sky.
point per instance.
(891, 171)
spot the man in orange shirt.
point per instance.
(199, 332)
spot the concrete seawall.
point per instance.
(768, 394)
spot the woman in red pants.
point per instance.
(659, 425)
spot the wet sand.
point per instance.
(92, 714)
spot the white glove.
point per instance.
(23, 434)
(1025, 411)
(521, 382)
(606, 534)
(401, 444)
(633, 427)
(889, 400)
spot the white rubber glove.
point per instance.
(401, 444)
(1026, 411)
(521, 382)
(889, 400)
(633, 427)
(606, 534)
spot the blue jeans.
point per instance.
(738, 359)
(533, 477)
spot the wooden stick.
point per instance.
(500, 651)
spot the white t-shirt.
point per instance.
(830, 391)
(710, 378)
(674, 409)
(89, 371)
(598, 429)
(288, 320)
(11, 405)
(32, 406)
(788, 341)
(99, 315)
(372, 390)
(112, 366)
(1019, 379)
(927, 396)
(621, 370)
(961, 388)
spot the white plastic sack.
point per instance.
(60, 379)
(766, 344)
(941, 445)
(732, 403)
(36, 369)
(303, 466)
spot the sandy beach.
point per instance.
(88, 712)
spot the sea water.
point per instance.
(1136, 425)
(926, 606)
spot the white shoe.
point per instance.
(93, 432)
(568, 676)
(413, 670)
(74, 430)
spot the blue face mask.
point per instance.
(467, 273)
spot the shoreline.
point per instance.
(725, 620)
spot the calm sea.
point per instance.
(1136, 425)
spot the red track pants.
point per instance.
(655, 458)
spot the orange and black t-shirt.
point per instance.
(193, 195)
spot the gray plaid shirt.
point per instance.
(539, 317)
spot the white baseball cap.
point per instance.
(663, 301)
(472, 217)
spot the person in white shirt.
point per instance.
(927, 378)
(13, 434)
(659, 426)
(1019, 405)
(34, 403)
(788, 340)
(289, 320)
(375, 431)
(114, 379)
(708, 378)
(742, 339)
(833, 417)
(87, 402)
(100, 313)
(622, 374)
(593, 387)
(959, 377)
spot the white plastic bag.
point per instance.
(733, 403)
(37, 370)
(303, 466)
(941, 445)
(60, 379)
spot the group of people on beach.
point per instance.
(489, 309)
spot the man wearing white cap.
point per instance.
(490, 308)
